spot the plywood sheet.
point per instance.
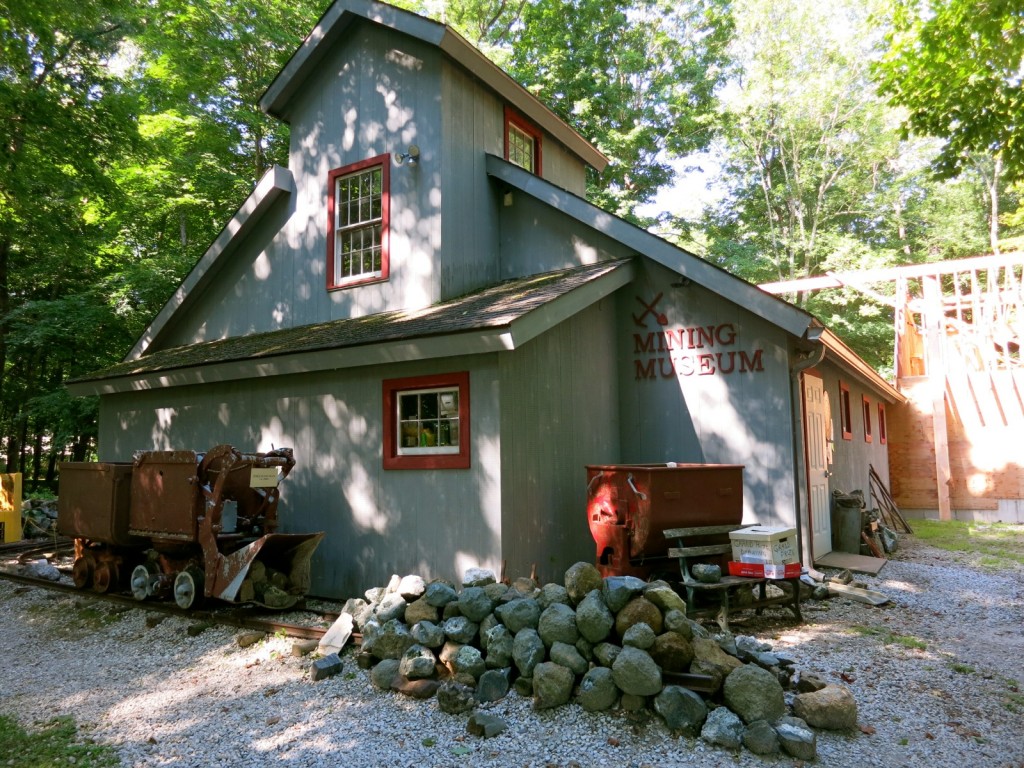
(852, 562)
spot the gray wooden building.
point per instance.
(424, 307)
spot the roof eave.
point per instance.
(837, 350)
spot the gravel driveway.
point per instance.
(938, 675)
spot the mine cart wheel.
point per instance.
(144, 578)
(105, 576)
(188, 587)
(81, 572)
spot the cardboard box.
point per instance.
(760, 570)
(762, 544)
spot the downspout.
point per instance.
(813, 358)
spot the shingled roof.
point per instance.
(492, 308)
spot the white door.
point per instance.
(817, 418)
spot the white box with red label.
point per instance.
(764, 544)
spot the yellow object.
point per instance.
(10, 508)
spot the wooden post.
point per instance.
(934, 326)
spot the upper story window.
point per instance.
(357, 228)
(866, 407)
(426, 422)
(883, 436)
(522, 142)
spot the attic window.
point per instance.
(357, 224)
(522, 142)
(845, 415)
(426, 422)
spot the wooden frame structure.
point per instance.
(959, 329)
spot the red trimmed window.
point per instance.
(866, 408)
(357, 223)
(845, 414)
(426, 422)
(883, 437)
(522, 142)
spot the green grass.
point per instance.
(888, 638)
(56, 743)
(997, 545)
(962, 669)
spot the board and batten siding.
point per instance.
(559, 413)
(435, 523)
(677, 405)
(852, 458)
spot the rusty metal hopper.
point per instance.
(276, 553)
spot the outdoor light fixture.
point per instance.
(412, 156)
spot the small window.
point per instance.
(357, 224)
(522, 142)
(426, 422)
(845, 415)
(866, 408)
(883, 437)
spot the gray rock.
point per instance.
(411, 587)
(304, 647)
(528, 651)
(493, 685)
(439, 594)
(418, 663)
(499, 647)
(417, 689)
(748, 647)
(619, 590)
(723, 728)
(392, 587)
(754, 694)
(634, 671)
(460, 629)
(478, 577)
(808, 683)
(597, 690)
(496, 591)
(833, 708)
(682, 710)
(800, 742)
(760, 738)
(663, 596)
(632, 703)
(421, 610)
(593, 618)
(706, 573)
(606, 653)
(328, 666)
(585, 648)
(392, 641)
(375, 594)
(639, 636)
(450, 610)
(710, 655)
(427, 633)
(552, 685)
(359, 610)
(482, 724)
(455, 698)
(486, 624)
(392, 606)
(469, 661)
(519, 614)
(568, 656)
(581, 579)
(383, 673)
(247, 639)
(41, 569)
(474, 604)
(551, 594)
(676, 621)
(558, 623)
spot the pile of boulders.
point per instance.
(39, 518)
(603, 642)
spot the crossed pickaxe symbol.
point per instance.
(649, 309)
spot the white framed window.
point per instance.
(522, 142)
(426, 422)
(357, 244)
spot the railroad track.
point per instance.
(242, 618)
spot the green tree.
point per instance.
(956, 66)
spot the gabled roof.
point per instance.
(340, 16)
(276, 181)
(502, 317)
(781, 313)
